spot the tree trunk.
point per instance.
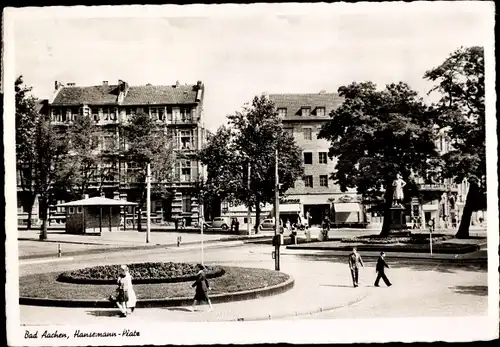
(44, 215)
(463, 229)
(28, 222)
(386, 225)
(257, 216)
(31, 202)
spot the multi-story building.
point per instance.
(177, 108)
(302, 117)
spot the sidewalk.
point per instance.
(480, 256)
(328, 293)
(31, 247)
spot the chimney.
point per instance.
(105, 83)
(122, 89)
(199, 84)
(57, 85)
(71, 84)
(177, 84)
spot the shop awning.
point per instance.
(289, 208)
(430, 207)
(97, 201)
(346, 207)
(286, 208)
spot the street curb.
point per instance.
(173, 302)
(118, 248)
(302, 313)
(419, 257)
(379, 248)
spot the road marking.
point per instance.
(41, 261)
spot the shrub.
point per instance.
(141, 273)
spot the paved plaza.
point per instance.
(323, 287)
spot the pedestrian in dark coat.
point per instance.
(202, 288)
(380, 269)
(354, 262)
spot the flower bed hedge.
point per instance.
(414, 239)
(235, 279)
(141, 273)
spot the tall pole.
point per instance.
(202, 218)
(148, 203)
(277, 214)
(249, 212)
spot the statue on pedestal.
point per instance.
(398, 196)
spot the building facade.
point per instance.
(177, 109)
(441, 201)
(302, 117)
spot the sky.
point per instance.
(239, 52)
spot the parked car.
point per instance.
(268, 225)
(220, 223)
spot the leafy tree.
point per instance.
(376, 134)
(26, 154)
(221, 182)
(147, 143)
(82, 163)
(251, 139)
(461, 113)
(51, 151)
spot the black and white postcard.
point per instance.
(259, 173)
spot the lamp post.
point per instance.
(277, 230)
(148, 203)
(249, 212)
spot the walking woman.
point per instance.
(126, 298)
(202, 288)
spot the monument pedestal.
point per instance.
(398, 220)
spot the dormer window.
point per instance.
(306, 111)
(320, 111)
(282, 112)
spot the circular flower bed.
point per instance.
(237, 283)
(140, 272)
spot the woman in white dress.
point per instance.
(127, 299)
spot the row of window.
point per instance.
(323, 181)
(307, 131)
(182, 139)
(65, 114)
(304, 112)
(322, 158)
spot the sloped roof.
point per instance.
(151, 94)
(97, 201)
(294, 102)
(136, 95)
(96, 95)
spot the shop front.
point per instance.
(342, 210)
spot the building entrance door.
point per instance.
(317, 212)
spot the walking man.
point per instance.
(380, 269)
(354, 262)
